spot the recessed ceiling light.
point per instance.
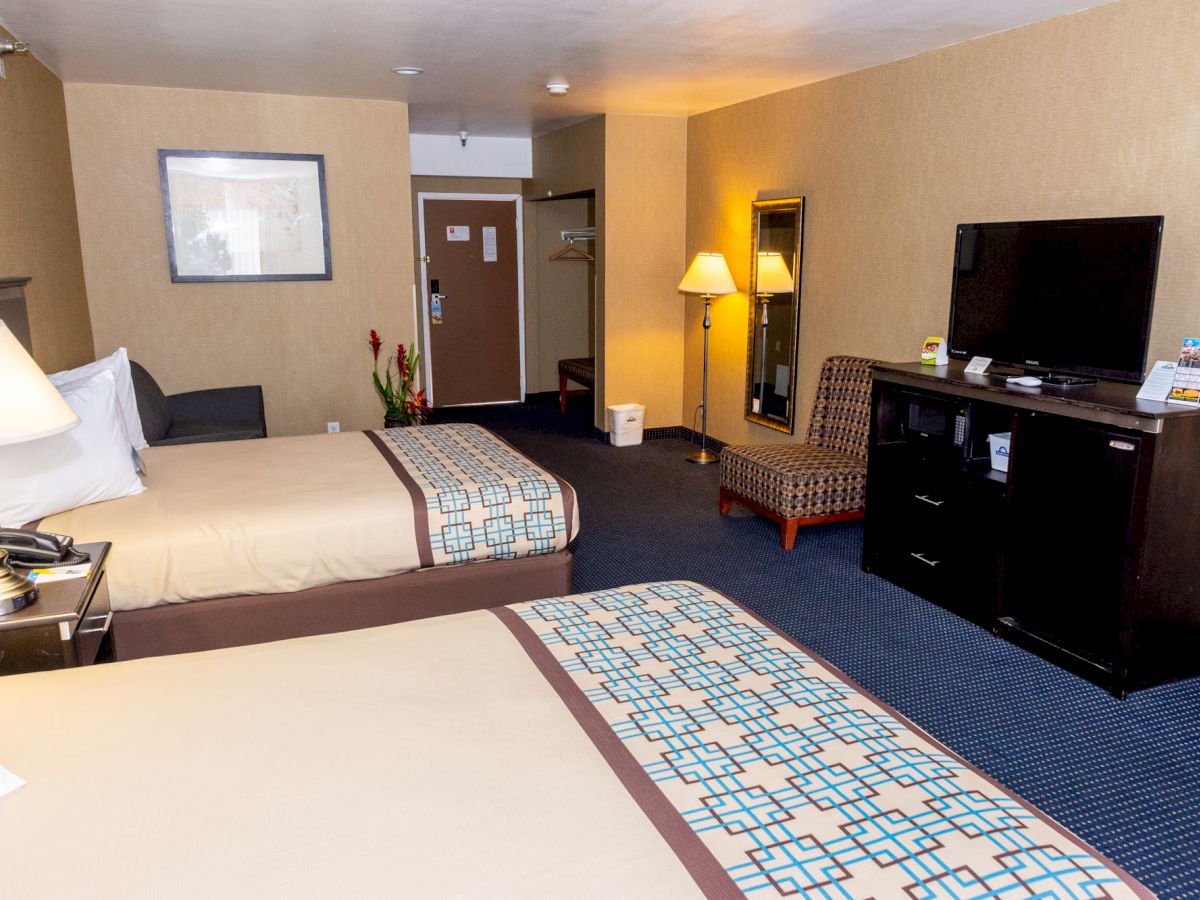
(558, 88)
(408, 70)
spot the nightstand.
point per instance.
(65, 627)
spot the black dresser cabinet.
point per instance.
(1085, 551)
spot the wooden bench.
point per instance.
(582, 371)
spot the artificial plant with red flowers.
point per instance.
(400, 402)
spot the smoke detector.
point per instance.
(558, 88)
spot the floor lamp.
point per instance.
(708, 276)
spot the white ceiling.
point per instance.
(486, 61)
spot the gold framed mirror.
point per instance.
(776, 261)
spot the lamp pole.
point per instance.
(705, 457)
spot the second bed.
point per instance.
(248, 541)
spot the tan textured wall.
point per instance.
(39, 231)
(1087, 115)
(569, 160)
(304, 341)
(566, 161)
(645, 179)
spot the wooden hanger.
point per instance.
(572, 252)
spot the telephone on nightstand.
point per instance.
(29, 548)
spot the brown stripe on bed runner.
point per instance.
(699, 861)
(420, 508)
(568, 501)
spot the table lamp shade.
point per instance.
(708, 274)
(772, 275)
(30, 406)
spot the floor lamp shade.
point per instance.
(708, 275)
(30, 406)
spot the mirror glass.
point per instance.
(776, 243)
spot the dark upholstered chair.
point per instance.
(822, 480)
(220, 414)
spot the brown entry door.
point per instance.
(473, 270)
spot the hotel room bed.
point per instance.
(249, 541)
(654, 740)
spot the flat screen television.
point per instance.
(1070, 296)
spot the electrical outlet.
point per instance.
(333, 427)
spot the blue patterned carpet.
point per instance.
(1125, 776)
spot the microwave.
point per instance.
(930, 419)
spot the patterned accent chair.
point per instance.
(581, 370)
(822, 480)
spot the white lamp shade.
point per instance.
(30, 406)
(708, 274)
(772, 275)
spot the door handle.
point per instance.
(926, 499)
(928, 562)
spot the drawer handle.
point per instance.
(103, 628)
(928, 562)
(927, 500)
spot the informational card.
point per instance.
(1185, 388)
(458, 232)
(60, 573)
(489, 243)
(1158, 383)
(978, 365)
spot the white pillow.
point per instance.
(87, 464)
(118, 364)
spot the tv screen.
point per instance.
(1070, 296)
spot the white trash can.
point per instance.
(625, 423)
(998, 444)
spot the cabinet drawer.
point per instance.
(924, 567)
(941, 565)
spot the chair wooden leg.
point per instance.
(726, 502)
(787, 532)
(562, 393)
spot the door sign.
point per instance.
(458, 232)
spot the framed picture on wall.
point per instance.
(234, 216)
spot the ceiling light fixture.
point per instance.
(557, 88)
(408, 70)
